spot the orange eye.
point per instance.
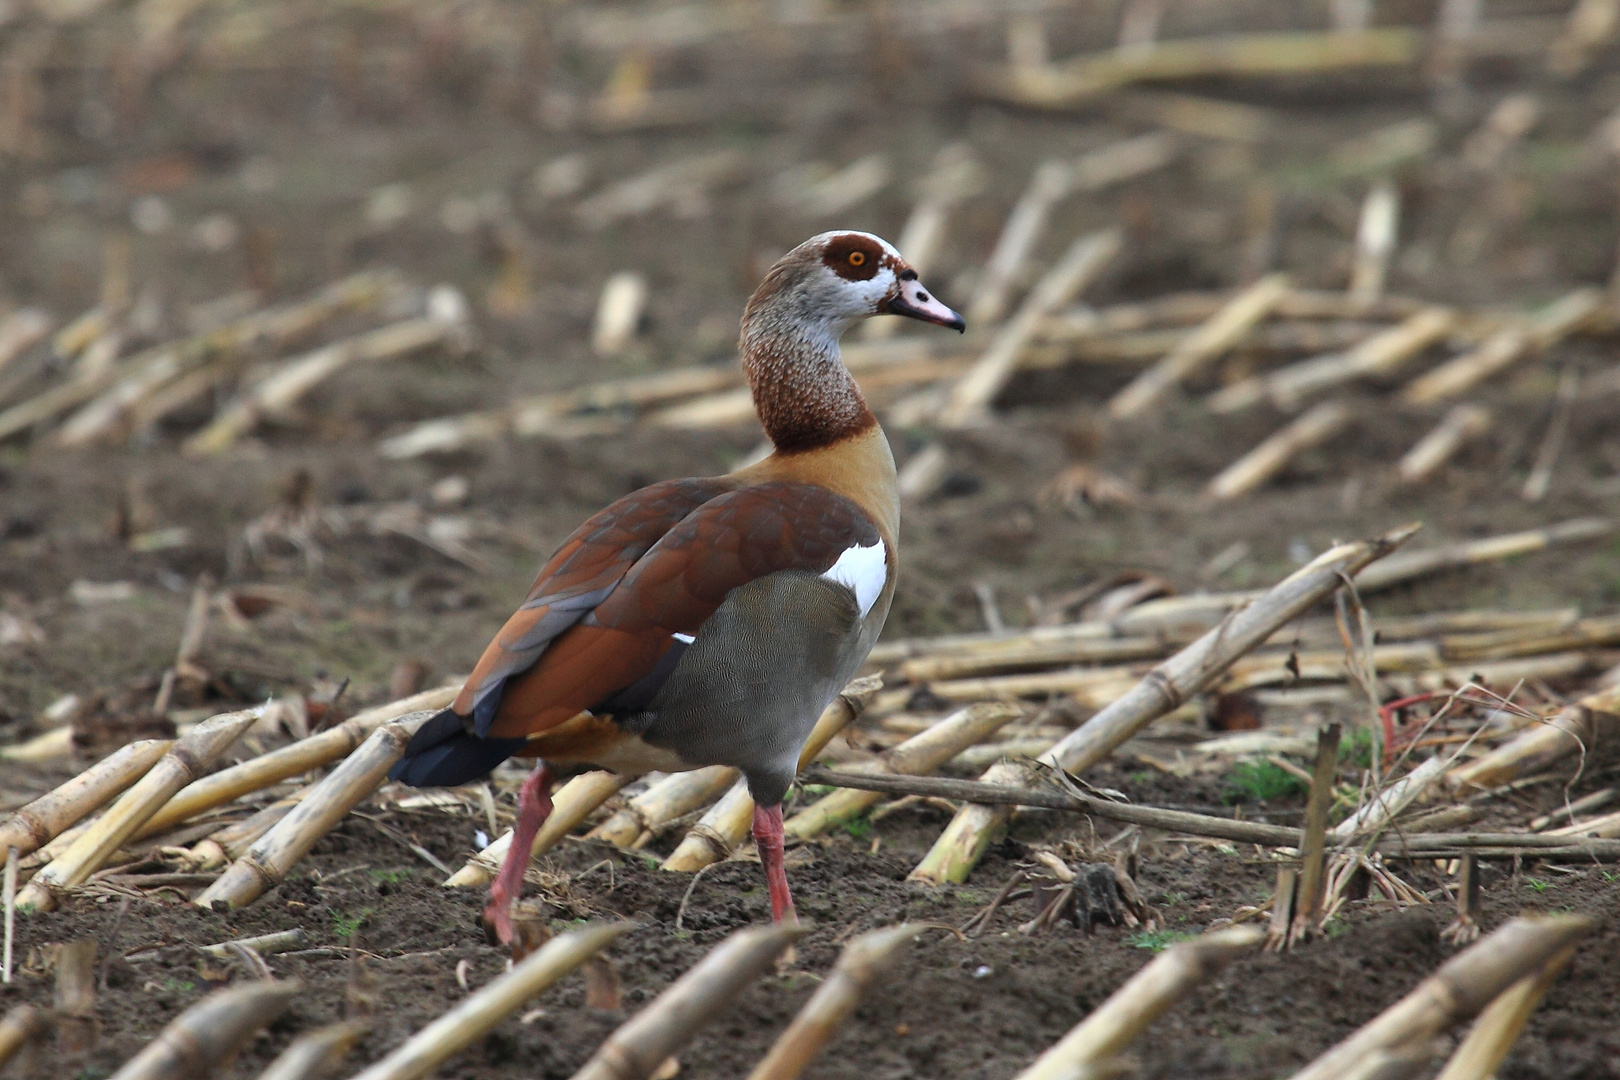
(857, 258)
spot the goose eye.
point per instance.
(857, 258)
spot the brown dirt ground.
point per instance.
(962, 1009)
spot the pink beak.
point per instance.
(915, 302)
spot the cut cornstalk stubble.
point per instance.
(1430, 453)
(479, 1014)
(1149, 994)
(1204, 346)
(1463, 986)
(1164, 689)
(1254, 469)
(726, 824)
(572, 804)
(862, 963)
(21, 1026)
(268, 860)
(42, 820)
(1541, 331)
(317, 1053)
(670, 798)
(180, 765)
(209, 1033)
(260, 772)
(647, 1040)
(922, 753)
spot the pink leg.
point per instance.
(768, 835)
(534, 806)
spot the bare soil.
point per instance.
(330, 129)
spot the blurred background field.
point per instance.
(333, 319)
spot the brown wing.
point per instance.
(573, 581)
(722, 544)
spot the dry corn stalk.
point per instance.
(1204, 346)
(1497, 1029)
(1375, 240)
(280, 390)
(1463, 986)
(478, 1014)
(618, 313)
(572, 804)
(959, 848)
(1384, 806)
(1150, 993)
(1579, 728)
(208, 1035)
(922, 753)
(718, 832)
(1265, 461)
(34, 825)
(1377, 355)
(672, 797)
(1541, 331)
(1059, 86)
(1026, 652)
(316, 1054)
(863, 962)
(300, 757)
(1459, 425)
(21, 1026)
(269, 859)
(1079, 267)
(1406, 565)
(180, 765)
(648, 1039)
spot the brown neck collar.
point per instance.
(804, 395)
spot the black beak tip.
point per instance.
(960, 325)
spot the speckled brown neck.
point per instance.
(804, 395)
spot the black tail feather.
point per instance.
(443, 754)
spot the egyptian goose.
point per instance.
(708, 621)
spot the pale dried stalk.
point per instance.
(1078, 268)
(207, 1035)
(1591, 25)
(479, 1014)
(1411, 564)
(1053, 182)
(672, 797)
(300, 757)
(862, 963)
(20, 331)
(189, 756)
(1088, 687)
(1497, 1029)
(21, 1026)
(1541, 471)
(281, 389)
(922, 753)
(269, 859)
(647, 1039)
(1059, 86)
(1377, 355)
(1579, 728)
(718, 833)
(1149, 994)
(264, 944)
(1462, 987)
(1605, 827)
(618, 313)
(127, 383)
(1020, 653)
(1204, 346)
(1375, 241)
(1461, 424)
(317, 1053)
(571, 804)
(1384, 806)
(1308, 900)
(1265, 461)
(1541, 331)
(34, 825)
(1166, 688)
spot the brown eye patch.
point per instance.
(852, 257)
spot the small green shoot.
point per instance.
(344, 926)
(1158, 940)
(390, 877)
(858, 828)
(1255, 780)
(1538, 885)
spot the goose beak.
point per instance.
(915, 302)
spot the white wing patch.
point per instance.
(684, 639)
(864, 570)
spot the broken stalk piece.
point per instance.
(207, 1035)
